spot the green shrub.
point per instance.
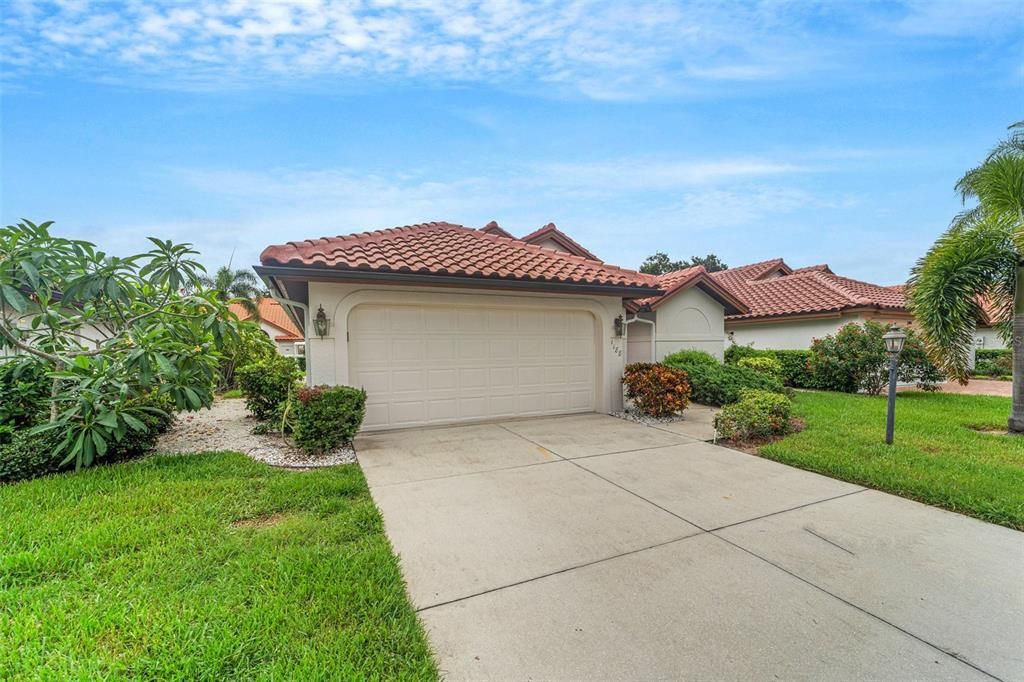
(251, 346)
(993, 353)
(25, 455)
(267, 383)
(993, 362)
(326, 417)
(765, 365)
(656, 390)
(719, 384)
(757, 415)
(156, 412)
(692, 357)
(795, 363)
(854, 359)
(24, 393)
(735, 352)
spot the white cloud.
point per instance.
(603, 48)
(671, 203)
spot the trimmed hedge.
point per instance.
(764, 365)
(717, 383)
(993, 362)
(795, 363)
(25, 455)
(327, 416)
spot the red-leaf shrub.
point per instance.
(656, 390)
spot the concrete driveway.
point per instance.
(590, 547)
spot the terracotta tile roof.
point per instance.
(814, 289)
(273, 314)
(990, 310)
(494, 228)
(680, 280)
(569, 244)
(452, 250)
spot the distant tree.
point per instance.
(235, 286)
(711, 262)
(660, 263)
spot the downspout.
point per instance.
(630, 321)
(305, 331)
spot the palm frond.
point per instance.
(948, 283)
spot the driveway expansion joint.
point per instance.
(952, 654)
(698, 533)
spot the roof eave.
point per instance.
(710, 287)
(326, 274)
(822, 313)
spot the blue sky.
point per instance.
(819, 132)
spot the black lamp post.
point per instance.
(894, 340)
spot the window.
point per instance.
(300, 348)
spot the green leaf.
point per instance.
(100, 443)
(33, 274)
(14, 297)
(134, 423)
(194, 401)
(165, 365)
(108, 419)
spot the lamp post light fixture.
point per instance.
(321, 324)
(894, 340)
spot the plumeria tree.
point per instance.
(108, 331)
(978, 261)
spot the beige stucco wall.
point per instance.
(690, 320)
(792, 335)
(328, 361)
(988, 337)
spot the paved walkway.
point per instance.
(591, 547)
(980, 387)
(973, 387)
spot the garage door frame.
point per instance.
(600, 311)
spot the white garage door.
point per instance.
(446, 364)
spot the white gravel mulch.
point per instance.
(641, 418)
(227, 426)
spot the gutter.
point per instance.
(323, 274)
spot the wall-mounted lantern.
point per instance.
(619, 326)
(321, 323)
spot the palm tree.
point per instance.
(235, 286)
(979, 259)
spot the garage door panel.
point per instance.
(472, 349)
(437, 364)
(441, 349)
(441, 379)
(404, 351)
(408, 380)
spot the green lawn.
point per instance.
(937, 457)
(209, 567)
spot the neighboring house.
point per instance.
(688, 314)
(276, 324)
(442, 323)
(789, 308)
